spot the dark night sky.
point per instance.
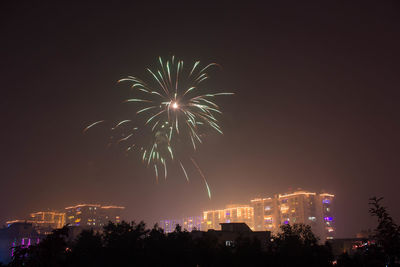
(316, 104)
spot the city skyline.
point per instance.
(260, 214)
(315, 104)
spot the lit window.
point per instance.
(229, 243)
(284, 208)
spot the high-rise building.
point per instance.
(326, 207)
(266, 214)
(296, 207)
(169, 225)
(191, 223)
(187, 223)
(92, 215)
(232, 213)
(49, 219)
(212, 219)
(44, 222)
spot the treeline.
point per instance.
(131, 244)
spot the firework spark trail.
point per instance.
(177, 109)
(202, 175)
(91, 125)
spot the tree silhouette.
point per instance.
(387, 232)
(296, 245)
(131, 244)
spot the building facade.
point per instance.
(93, 215)
(49, 219)
(326, 208)
(212, 219)
(269, 214)
(266, 215)
(187, 223)
(44, 222)
(299, 206)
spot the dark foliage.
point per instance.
(384, 250)
(387, 233)
(131, 244)
(297, 246)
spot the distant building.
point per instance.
(212, 219)
(92, 215)
(325, 205)
(169, 225)
(296, 207)
(187, 223)
(43, 221)
(266, 214)
(17, 234)
(46, 221)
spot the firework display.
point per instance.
(173, 111)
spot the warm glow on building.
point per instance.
(232, 213)
(44, 222)
(93, 215)
(53, 219)
(295, 207)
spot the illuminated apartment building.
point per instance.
(212, 219)
(110, 213)
(49, 219)
(266, 214)
(298, 207)
(169, 225)
(187, 223)
(295, 207)
(232, 213)
(328, 228)
(192, 223)
(92, 215)
(44, 222)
